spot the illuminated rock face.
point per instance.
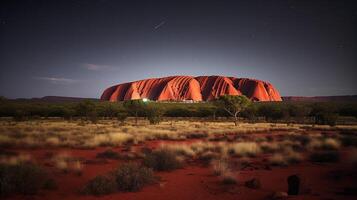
(201, 88)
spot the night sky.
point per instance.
(78, 48)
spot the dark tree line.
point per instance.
(238, 107)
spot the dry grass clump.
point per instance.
(324, 144)
(208, 156)
(66, 163)
(5, 141)
(221, 168)
(14, 160)
(52, 141)
(180, 149)
(244, 149)
(331, 144)
(112, 139)
(201, 147)
(278, 159)
(285, 158)
(270, 147)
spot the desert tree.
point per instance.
(233, 105)
(121, 117)
(110, 110)
(86, 109)
(154, 113)
(135, 107)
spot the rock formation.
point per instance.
(183, 88)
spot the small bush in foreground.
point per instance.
(21, 178)
(100, 185)
(131, 177)
(162, 160)
(108, 154)
(229, 179)
(325, 157)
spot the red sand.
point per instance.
(194, 181)
(201, 88)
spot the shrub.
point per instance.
(109, 154)
(122, 117)
(162, 160)
(21, 178)
(131, 177)
(87, 109)
(325, 157)
(100, 185)
(326, 144)
(154, 114)
(253, 183)
(229, 179)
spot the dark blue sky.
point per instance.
(78, 48)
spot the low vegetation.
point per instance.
(325, 157)
(162, 160)
(108, 154)
(100, 185)
(132, 177)
(21, 178)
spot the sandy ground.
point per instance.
(195, 181)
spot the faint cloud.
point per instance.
(95, 67)
(56, 80)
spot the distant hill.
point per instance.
(57, 99)
(343, 98)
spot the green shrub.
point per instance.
(100, 185)
(162, 160)
(132, 177)
(325, 156)
(22, 178)
(154, 113)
